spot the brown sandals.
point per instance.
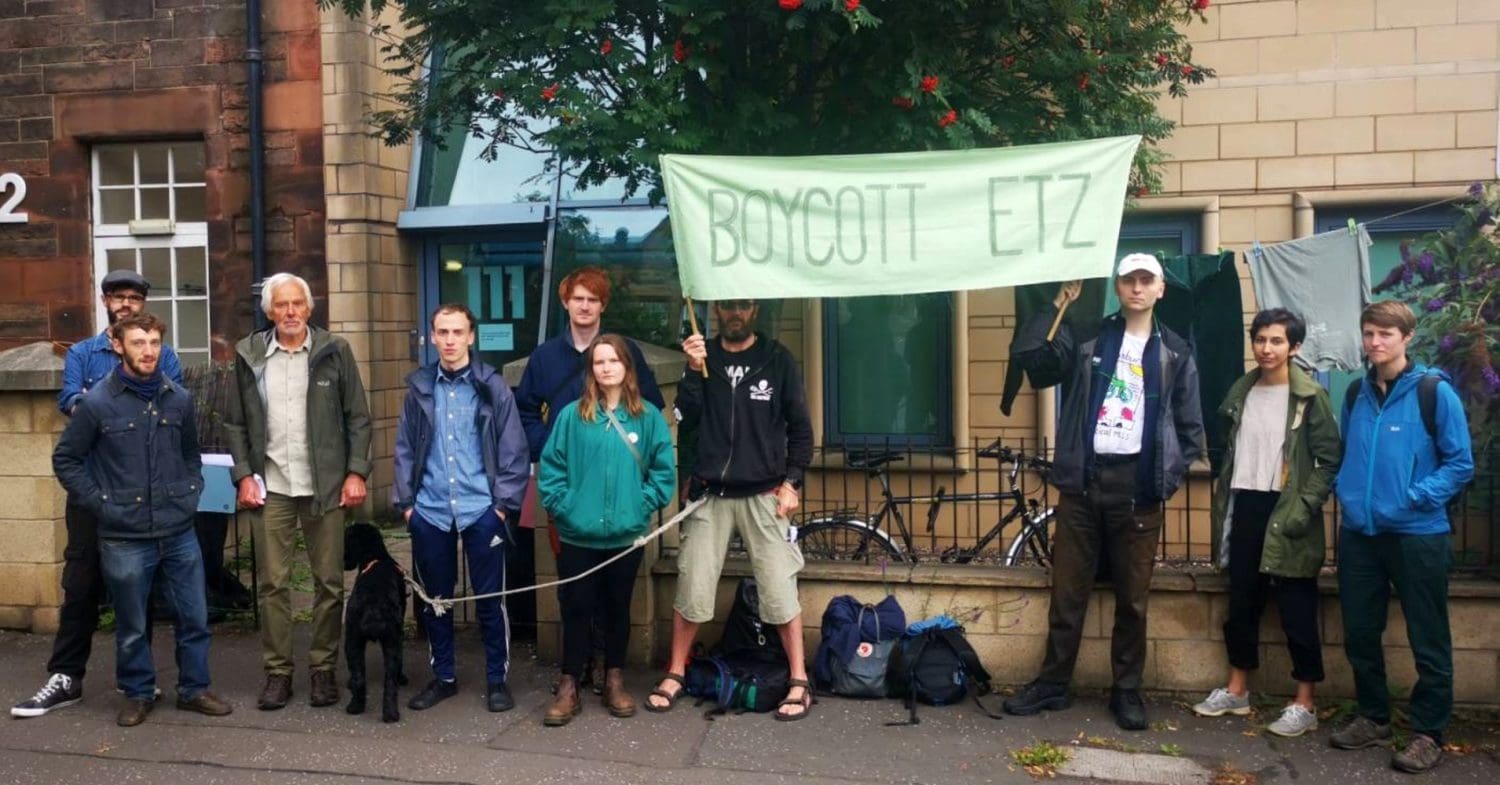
(806, 701)
(671, 697)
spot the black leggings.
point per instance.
(1249, 589)
(605, 594)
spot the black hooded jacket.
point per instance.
(751, 416)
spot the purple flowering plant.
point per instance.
(1451, 278)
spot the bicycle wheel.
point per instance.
(1033, 545)
(846, 539)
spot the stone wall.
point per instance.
(1004, 612)
(75, 73)
(372, 272)
(32, 533)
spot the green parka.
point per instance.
(1310, 460)
(338, 415)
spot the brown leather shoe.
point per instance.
(205, 702)
(276, 693)
(134, 713)
(325, 689)
(616, 698)
(566, 705)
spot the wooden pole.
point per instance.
(1057, 320)
(693, 321)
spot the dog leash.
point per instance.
(441, 605)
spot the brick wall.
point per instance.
(74, 73)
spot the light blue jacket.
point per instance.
(1396, 479)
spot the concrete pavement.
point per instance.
(843, 741)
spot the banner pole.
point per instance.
(693, 321)
(1056, 320)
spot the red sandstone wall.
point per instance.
(78, 72)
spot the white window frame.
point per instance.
(163, 298)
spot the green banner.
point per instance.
(898, 223)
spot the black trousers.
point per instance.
(83, 590)
(1103, 523)
(1250, 589)
(605, 594)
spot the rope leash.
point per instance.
(441, 605)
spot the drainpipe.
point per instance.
(256, 65)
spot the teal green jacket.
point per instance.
(597, 494)
(1310, 460)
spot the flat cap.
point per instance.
(124, 279)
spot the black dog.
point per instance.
(376, 606)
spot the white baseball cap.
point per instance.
(1139, 261)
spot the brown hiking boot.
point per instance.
(206, 702)
(134, 712)
(325, 689)
(276, 693)
(616, 698)
(566, 705)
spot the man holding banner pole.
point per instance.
(754, 446)
(1129, 426)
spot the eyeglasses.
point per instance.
(736, 305)
(126, 298)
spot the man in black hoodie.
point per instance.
(754, 445)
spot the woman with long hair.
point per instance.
(606, 469)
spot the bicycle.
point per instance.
(846, 535)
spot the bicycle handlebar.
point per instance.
(1005, 454)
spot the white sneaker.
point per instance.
(1221, 701)
(1295, 720)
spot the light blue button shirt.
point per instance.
(454, 491)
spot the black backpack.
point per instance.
(737, 683)
(937, 667)
(745, 635)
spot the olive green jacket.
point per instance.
(338, 414)
(1310, 460)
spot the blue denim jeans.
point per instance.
(434, 554)
(128, 567)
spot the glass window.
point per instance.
(499, 276)
(889, 370)
(146, 181)
(157, 180)
(634, 247)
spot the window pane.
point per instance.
(634, 246)
(187, 163)
(500, 279)
(154, 203)
(116, 207)
(156, 266)
(116, 166)
(119, 259)
(891, 365)
(153, 163)
(192, 324)
(163, 309)
(190, 204)
(192, 272)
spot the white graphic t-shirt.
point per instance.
(1122, 416)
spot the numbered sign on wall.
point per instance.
(12, 191)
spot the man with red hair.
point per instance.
(554, 373)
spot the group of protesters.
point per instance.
(586, 426)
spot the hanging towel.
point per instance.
(1325, 279)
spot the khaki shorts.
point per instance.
(704, 541)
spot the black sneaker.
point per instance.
(1038, 696)
(434, 693)
(497, 697)
(1128, 708)
(59, 691)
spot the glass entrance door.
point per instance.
(499, 276)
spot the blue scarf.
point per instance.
(146, 388)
